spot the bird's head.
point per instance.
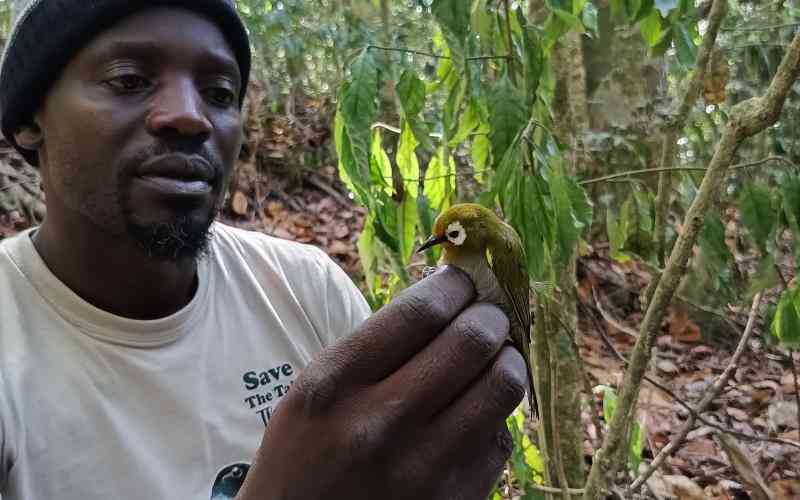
(463, 228)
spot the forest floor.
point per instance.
(694, 347)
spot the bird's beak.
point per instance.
(432, 241)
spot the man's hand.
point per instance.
(411, 405)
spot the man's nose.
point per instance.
(179, 109)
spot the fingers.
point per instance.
(486, 403)
(436, 376)
(397, 332)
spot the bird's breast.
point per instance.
(486, 284)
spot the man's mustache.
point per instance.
(200, 158)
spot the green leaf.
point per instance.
(452, 107)
(368, 252)
(533, 64)
(617, 231)
(568, 226)
(684, 45)
(427, 216)
(480, 155)
(765, 277)
(572, 21)
(439, 182)
(407, 227)
(523, 197)
(468, 122)
(411, 92)
(636, 446)
(407, 162)
(506, 116)
(786, 323)
(716, 257)
(380, 165)
(609, 404)
(453, 15)
(758, 214)
(359, 108)
(651, 30)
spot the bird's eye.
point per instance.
(453, 234)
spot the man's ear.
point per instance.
(29, 136)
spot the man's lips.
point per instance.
(177, 175)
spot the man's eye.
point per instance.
(127, 83)
(221, 96)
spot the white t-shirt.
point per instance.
(95, 406)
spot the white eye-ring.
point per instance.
(456, 233)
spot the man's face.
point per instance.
(142, 130)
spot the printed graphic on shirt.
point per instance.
(266, 387)
(229, 481)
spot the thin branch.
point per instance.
(764, 28)
(429, 54)
(716, 389)
(645, 171)
(610, 319)
(550, 489)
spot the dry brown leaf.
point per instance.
(787, 382)
(339, 247)
(791, 435)
(341, 231)
(699, 448)
(744, 467)
(782, 415)
(239, 203)
(681, 328)
(737, 413)
(684, 488)
(786, 489)
(667, 366)
(280, 232)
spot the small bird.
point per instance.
(490, 251)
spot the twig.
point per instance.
(313, 179)
(713, 393)
(610, 319)
(429, 54)
(746, 119)
(645, 171)
(550, 489)
(764, 28)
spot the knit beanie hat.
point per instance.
(47, 33)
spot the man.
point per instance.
(144, 349)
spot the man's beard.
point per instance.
(176, 240)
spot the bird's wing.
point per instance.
(515, 285)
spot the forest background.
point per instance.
(645, 150)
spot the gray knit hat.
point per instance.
(47, 33)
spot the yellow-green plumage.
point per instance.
(475, 240)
